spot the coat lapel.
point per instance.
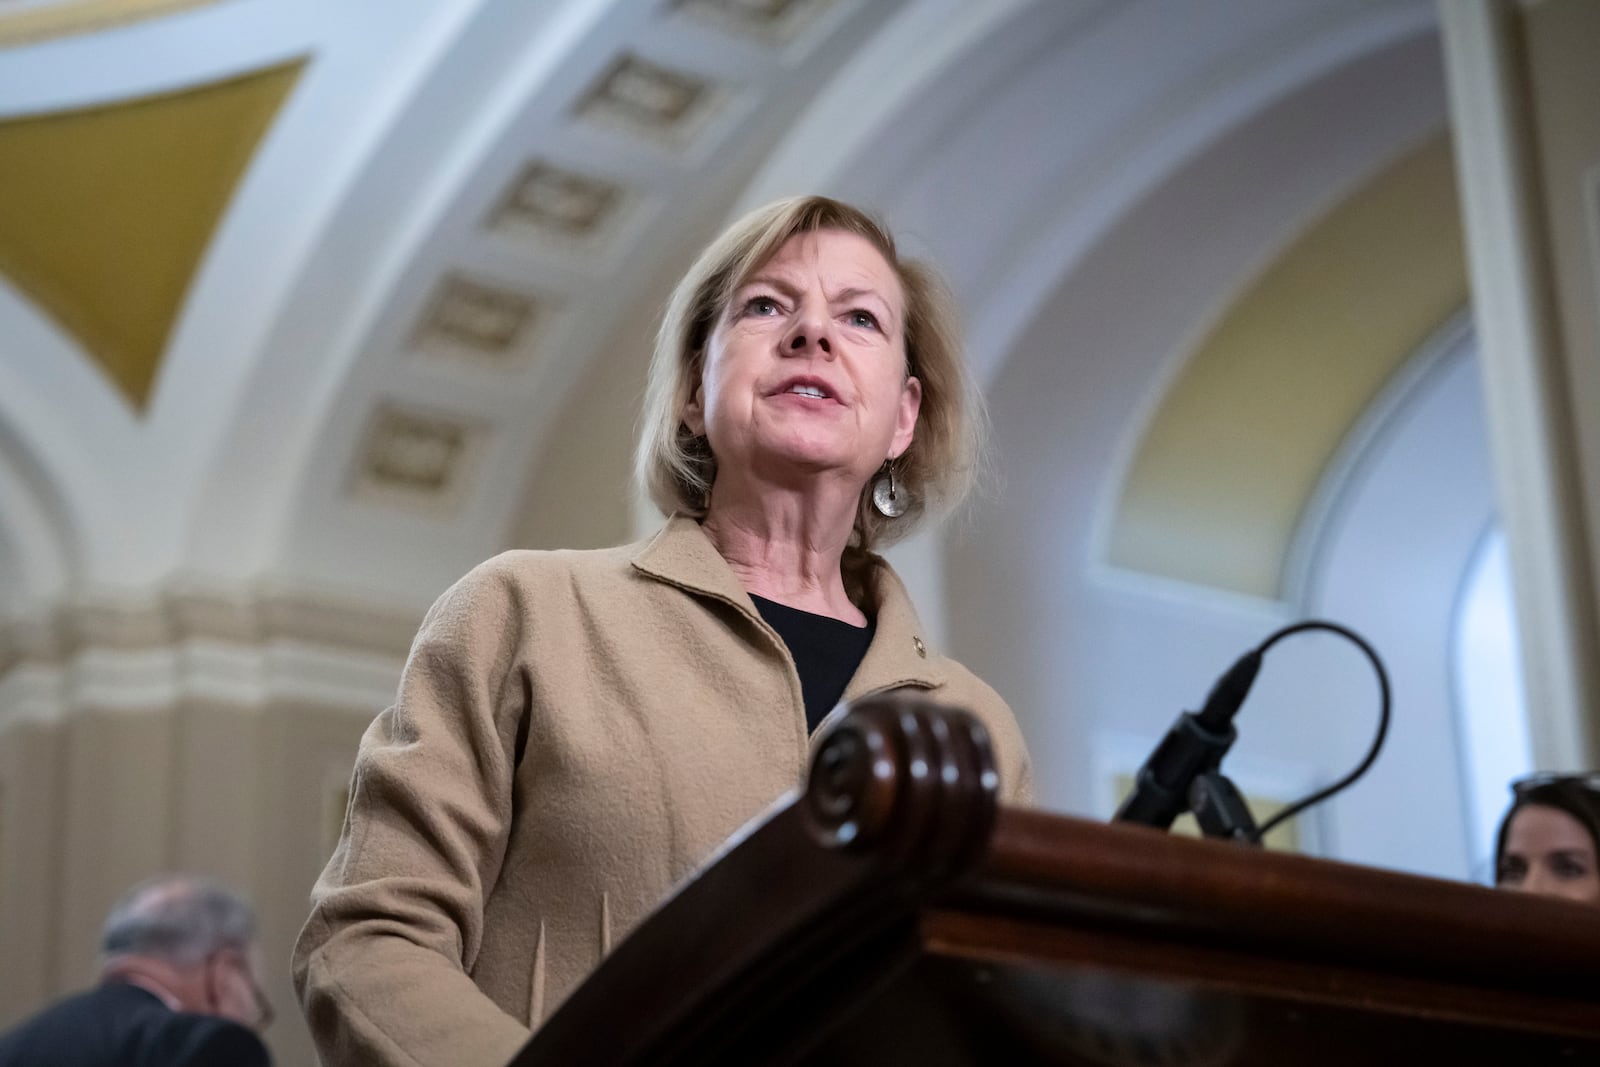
(682, 555)
(899, 654)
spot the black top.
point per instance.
(826, 653)
(121, 1025)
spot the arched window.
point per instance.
(1488, 695)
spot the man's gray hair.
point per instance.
(178, 918)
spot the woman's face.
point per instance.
(1549, 852)
(805, 370)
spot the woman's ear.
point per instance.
(905, 427)
(694, 415)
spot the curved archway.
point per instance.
(1088, 652)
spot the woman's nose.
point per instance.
(1539, 882)
(810, 332)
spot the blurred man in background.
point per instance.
(178, 988)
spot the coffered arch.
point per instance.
(145, 476)
(534, 248)
(434, 287)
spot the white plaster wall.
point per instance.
(1100, 662)
(1396, 553)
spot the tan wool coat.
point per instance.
(574, 733)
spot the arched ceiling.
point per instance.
(1240, 439)
(1113, 303)
(587, 175)
(422, 313)
(120, 491)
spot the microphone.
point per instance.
(1193, 746)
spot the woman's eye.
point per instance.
(1510, 874)
(761, 305)
(1569, 867)
(865, 320)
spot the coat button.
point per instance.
(922, 649)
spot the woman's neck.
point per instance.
(787, 547)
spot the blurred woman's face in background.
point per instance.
(1550, 853)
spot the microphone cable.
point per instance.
(1383, 717)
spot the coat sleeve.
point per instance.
(382, 966)
(1016, 765)
(967, 690)
(1020, 792)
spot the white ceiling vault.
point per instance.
(436, 281)
(418, 332)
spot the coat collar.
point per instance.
(681, 554)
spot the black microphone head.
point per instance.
(1223, 702)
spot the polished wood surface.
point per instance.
(893, 914)
(1207, 893)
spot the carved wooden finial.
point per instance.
(907, 778)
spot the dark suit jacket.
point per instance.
(119, 1025)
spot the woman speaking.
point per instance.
(575, 732)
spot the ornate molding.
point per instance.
(409, 455)
(765, 20)
(226, 653)
(184, 616)
(643, 97)
(480, 317)
(547, 202)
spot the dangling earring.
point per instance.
(886, 497)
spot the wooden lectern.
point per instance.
(892, 913)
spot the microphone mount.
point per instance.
(1190, 756)
(1184, 772)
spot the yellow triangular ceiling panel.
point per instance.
(108, 210)
(65, 18)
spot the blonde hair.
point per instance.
(676, 467)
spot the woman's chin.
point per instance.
(795, 464)
(804, 452)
